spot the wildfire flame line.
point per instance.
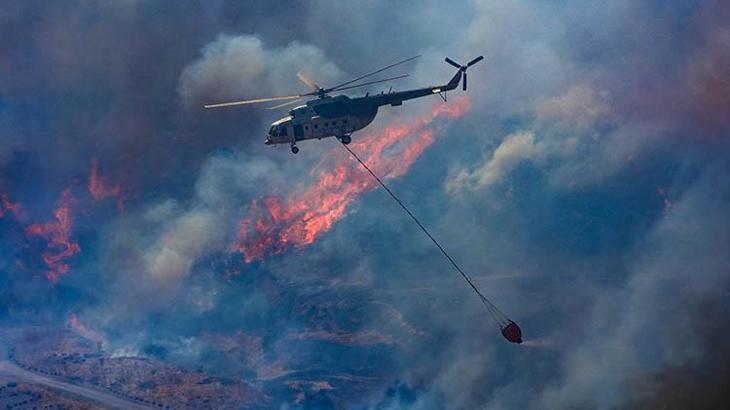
(99, 189)
(275, 224)
(57, 234)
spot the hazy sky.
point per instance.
(583, 180)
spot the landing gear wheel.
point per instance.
(346, 139)
(294, 149)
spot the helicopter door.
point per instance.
(298, 132)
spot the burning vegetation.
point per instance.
(275, 224)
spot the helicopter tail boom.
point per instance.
(397, 98)
(454, 82)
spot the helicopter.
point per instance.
(339, 116)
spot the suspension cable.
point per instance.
(500, 318)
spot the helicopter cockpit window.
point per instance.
(282, 131)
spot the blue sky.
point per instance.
(586, 190)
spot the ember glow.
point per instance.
(99, 187)
(275, 224)
(6, 206)
(79, 327)
(57, 233)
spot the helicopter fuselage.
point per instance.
(337, 116)
(340, 116)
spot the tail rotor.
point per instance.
(463, 68)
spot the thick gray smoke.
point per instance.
(586, 191)
(240, 67)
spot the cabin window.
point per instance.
(306, 127)
(326, 124)
(344, 121)
(316, 125)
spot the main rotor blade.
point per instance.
(284, 104)
(338, 87)
(372, 82)
(453, 63)
(256, 101)
(474, 61)
(308, 81)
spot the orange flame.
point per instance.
(57, 235)
(7, 206)
(303, 216)
(99, 189)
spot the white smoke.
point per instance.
(241, 67)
